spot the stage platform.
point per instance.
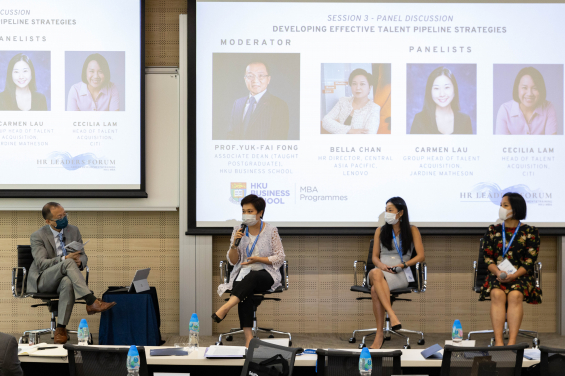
(195, 363)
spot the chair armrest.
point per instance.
(24, 282)
(537, 274)
(475, 271)
(87, 274)
(421, 276)
(224, 272)
(285, 276)
(364, 272)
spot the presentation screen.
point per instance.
(327, 110)
(71, 98)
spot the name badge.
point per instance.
(507, 267)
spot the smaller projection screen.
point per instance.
(71, 98)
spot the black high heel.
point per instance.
(216, 318)
(397, 327)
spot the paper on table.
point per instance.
(24, 349)
(225, 352)
(532, 354)
(75, 246)
(58, 352)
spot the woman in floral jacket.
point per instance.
(519, 244)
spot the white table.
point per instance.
(410, 358)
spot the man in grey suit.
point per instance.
(259, 115)
(55, 269)
(9, 362)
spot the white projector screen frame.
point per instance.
(114, 168)
(211, 62)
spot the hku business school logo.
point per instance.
(238, 192)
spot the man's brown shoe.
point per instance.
(61, 336)
(99, 306)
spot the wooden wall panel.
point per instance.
(120, 243)
(321, 273)
(162, 31)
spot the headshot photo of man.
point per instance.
(269, 107)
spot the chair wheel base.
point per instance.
(229, 338)
(23, 340)
(90, 340)
(271, 336)
(421, 342)
(289, 343)
(536, 343)
(219, 344)
(407, 347)
(387, 338)
(352, 340)
(361, 345)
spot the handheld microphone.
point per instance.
(503, 275)
(237, 241)
(398, 269)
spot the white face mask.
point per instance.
(504, 214)
(249, 219)
(390, 218)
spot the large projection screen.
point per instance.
(72, 98)
(448, 106)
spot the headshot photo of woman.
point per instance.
(95, 91)
(396, 244)
(529, 112)
(517, 243)
(441, 112)
(358, 113)
(20, 90)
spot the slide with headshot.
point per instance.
(329, 109)
(70, 95)
(355, 98)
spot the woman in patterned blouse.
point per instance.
(522, 244)
(256, 261)
(358, 114)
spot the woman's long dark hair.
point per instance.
(10, 87)
(429, 104)
(405, 230)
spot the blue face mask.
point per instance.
(62, 223)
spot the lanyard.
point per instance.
(249, 253)
(396, 245)
(504, 247)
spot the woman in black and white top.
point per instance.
(257, 261)
(357, 114)
(395, 239)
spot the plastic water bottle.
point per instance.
(193, 333)
(83, 333)
(457, 332)
(133, 361)
(365, 363)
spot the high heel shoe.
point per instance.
(397, 327)
(216, 318)
(382, 344)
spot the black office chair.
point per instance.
(261, 351)
(420, 272)
(225, 271)
(50, 300)
(107, 361)
(458, 361)
(552, 361)
(344, 363)
(480, 275)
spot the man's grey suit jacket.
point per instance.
(44, 252)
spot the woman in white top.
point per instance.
(397, 237)
(257, 261)
(358, 114)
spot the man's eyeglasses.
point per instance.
(252, 77)
(60, 217)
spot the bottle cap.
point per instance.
(365, 353)
(133, 351)
(83, 324)
(194, 317)
(457, 322)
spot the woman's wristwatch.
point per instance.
(404, 263)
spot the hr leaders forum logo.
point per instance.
(272, 196)
(493, 193)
